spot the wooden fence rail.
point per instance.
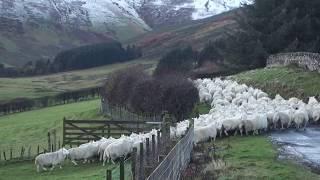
(77, 132)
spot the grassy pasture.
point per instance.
(31, 127)
(33, 87)
(287, 81)
(27, 170)
(255, 157)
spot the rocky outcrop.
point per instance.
(306, 60)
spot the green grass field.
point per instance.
(255, 157)
(31, 127)
(33, 87)
(297, 82)
(27, 171)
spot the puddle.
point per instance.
(303, 146)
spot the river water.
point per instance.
(303, 146)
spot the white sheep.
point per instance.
(203, 133)
(51, 159)
(119, 148)
(230, 124)
(283, 117)
(103, 146)
(84, 152)
(300, 117)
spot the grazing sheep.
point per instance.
(316, 114)
(230, 125)
(247, 126)
(300, 117)
(203, 133)
(119, 148)
(103, 146)
(51, 159)
(84, 152)
(283, 117)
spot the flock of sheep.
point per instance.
(237, 108)
(104, 149)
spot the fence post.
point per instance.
(122, 168)
(141, 164)
(158, 144)
(49, 142)
(153, 142)
(29, 152)
(134, 163)
(63, 131)
(109, 131)
(54, 139)
(22, 152)
(11, 153)
(4, 155)
(147, 151)
(109, 175)
(38, 150)
(166, 130)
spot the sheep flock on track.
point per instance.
(235, 108)
(104, 149)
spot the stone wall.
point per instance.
(308, 61)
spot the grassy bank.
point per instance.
(255, 157)
(31, 127)
(27, 170)
(39, 86)
(287, 81)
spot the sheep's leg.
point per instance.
(247, 133)
(104, 162)
(225, 131)
(74, 162)
(85, 161)
(282, 126)
(52, 168)
(60, 166)
(235, 133)
(112, 161)
(38, 168)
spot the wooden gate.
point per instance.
(76, 132)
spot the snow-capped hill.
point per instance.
(208, 8)
(167, 12)
(93, 14)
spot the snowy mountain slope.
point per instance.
(38, 29)
(168, 12)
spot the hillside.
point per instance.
(195, 33)
(39, 86)
(31, 30)
(286, 81)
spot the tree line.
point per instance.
(143, 93)
(78, 58)
(26, 104)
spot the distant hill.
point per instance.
(195, 33)
(38, 29)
